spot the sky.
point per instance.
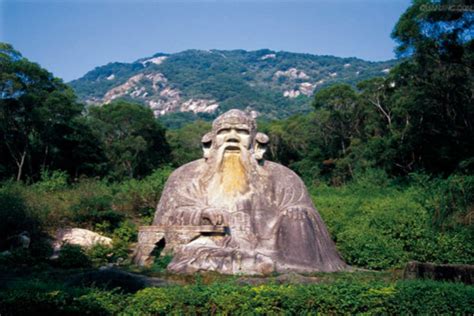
(72, 37)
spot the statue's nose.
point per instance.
(233, 137)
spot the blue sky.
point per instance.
(71, 37)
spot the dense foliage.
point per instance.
(132, 140)
(379, 224)
(39, 120)
(347, 296)
(420, 117)
(43, 128)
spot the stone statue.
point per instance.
(234, 212)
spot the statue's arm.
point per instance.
(292, 197)
(183, 201)
(179, 203)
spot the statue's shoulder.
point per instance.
(188, 170)
(282, 174)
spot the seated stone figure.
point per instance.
(234, 212)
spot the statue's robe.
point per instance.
(273, 227)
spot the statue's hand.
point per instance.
(213, 216)
(295, 212)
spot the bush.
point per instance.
(379, 224)
(32, 297)
(122, 237)
(99, 255)
(342, 297)
(140, 197)
(449, 201)
(73, 256)
(52, 181)
(15, 215)
(96, 210)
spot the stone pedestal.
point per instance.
(149, 237)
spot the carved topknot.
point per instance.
(233, 117)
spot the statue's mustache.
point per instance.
(237, 146)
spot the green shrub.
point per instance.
(127, 231)
(15, 214)
(39, 297)
(122, 237)
(140, 197)
(432, 298)
(450, 202)
(17, 257)
(161, 263)
(380, 224)
(370, 249)
(100, 302)
(344, 296)
(341, 297)
(99, 255)
(73, 256)
(52, 181)
(35, 300)
(95, 210)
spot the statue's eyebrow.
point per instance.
(224, 129)
(246, 130)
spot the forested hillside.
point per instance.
(206, 83)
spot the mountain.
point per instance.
(206, 83)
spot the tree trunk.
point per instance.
(46, 151)
(20, 166)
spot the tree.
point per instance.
(133, 140)
(36, 111)
(343, 117)
(186, 142)
(435, 86)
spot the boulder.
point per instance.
(439, 272)
(78, 236)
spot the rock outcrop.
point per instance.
(233, 212)
(80, 237)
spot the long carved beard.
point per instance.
(227, 176)
(233, 175)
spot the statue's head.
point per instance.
(233, 132)
(232, 151)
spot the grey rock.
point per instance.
(235, 213)
(78, 236)
(440, 272)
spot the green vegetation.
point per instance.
(346, 296)
(388, 162)
(380, 224)
(132, 140)
(377, 222)
(236, 79)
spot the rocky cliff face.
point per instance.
(275, 84)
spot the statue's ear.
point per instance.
(261, 142)
(206, 142)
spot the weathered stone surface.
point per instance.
(21, 240)
(234, 212)
(78, 236)
(439, 272)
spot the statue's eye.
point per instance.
(243, 131)
(223, 131)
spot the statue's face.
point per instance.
(233, 136)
